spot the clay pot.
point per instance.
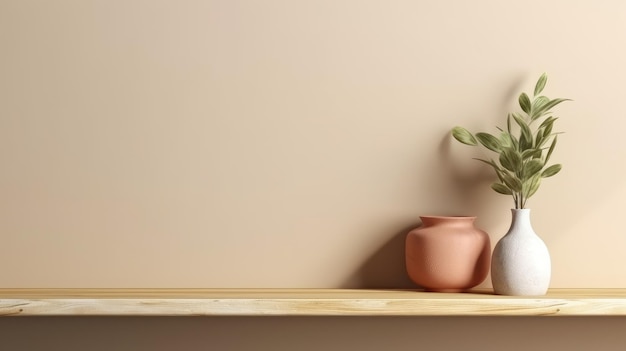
(447, 254)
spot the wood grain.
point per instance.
(305, 302)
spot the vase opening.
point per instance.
(432, 220)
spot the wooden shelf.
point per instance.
(305, 302)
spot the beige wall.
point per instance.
(293, 144)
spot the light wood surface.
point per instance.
(304, 302)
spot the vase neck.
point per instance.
(521, 220)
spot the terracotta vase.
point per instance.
(521, 260)
(447, 254)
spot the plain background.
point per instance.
(294, 144)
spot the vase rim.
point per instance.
(448, 217)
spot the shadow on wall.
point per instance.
(453, 189)
(467, 181)
(385, 268)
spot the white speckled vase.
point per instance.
(520, 264)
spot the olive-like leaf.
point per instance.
(506, 162)
(512, 182)
(524, 103)
(531, 153)
(538, 107)
(501, 189)
(531, 168)
(551, 149)
(510, 159)
(541, 83)
(539, 139)
(508, 123)
(553, 103)
(547, 130)
(526, 139)
(552, 170)
(530, 186)
(464, 136)
(548, 121)
(506, 140)
(539, 102)
(515, 157)
(489, 141)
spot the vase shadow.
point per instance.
(385, 268)
(452, 190)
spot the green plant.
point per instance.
(523, 149)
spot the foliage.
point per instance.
(523, 149)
